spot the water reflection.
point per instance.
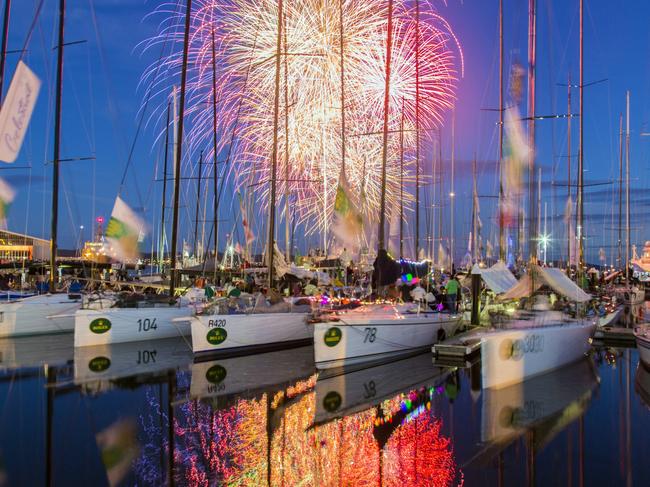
(146, 414)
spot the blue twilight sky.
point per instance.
(102, 97)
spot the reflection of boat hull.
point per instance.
(253, 332)
(350, 392)
(513, 355)
(238, 375)
(123, 325)
(642, 382)
(642, 335)
(509, 411)
(359, 337)
(35, 351)
(119, 360)
(38, 315)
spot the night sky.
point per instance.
(102, 98)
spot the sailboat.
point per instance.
(539, 339)
(46, 313)
(221, 330)
(153, 319)
(377, 331)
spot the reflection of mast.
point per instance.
(171, 387)
(50, 373)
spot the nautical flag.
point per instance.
(348, 223)
(17, 111)
(119, 447)
(248, 233)
(7, 195)
(125, 231)
(517, 153)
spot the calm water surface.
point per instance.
(112, 415)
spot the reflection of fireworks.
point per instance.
(245, 43)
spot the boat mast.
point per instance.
(214, 150)
(475, 254)
(569, 194)
(580, 229)
(179, 150)
(417, 130)
(442, 188)
(620, 190)
(452, 194)
(502, 240)
(381, 241)
(198, 206)
(57, 147)
(5, 38)
(287, 244)
(164, 192)
(401, 184)
(532, 48)
(274, 156)
(627, 191)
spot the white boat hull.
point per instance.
(610, 318)
(122, 325)
(255, 331)
(37, 315)
(360, 337)
(642, 334)
(513, 355)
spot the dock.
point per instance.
(615, 334)
(459, 348)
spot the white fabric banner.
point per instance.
(17, 111)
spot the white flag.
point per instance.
(17, 111)
(125, 231)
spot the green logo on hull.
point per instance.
(332, 401)
(216, 336)
(333, 336)
(216, 374)
(100, 325)
(99, 364)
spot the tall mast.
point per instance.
(274, 155)
(384, 156)
(441, 198)
(627, 189)
(580, 229)
(502, 239)
(57, 148)
(5, 38)
(401, 184)
(198, 206)
(164, 191)
(417, 130)
(215, 151)
(539, 208)
(179, 149)
(568, 188)
(452, 194)
(620, 191)
(474, 214)
(287, 245)
(532, 54)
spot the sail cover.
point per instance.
(497, 278)
(554, 278)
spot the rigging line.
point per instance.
(31, 29)
(144, 109)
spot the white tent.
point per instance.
(554, 278)
(497, 278)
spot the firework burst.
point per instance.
(243, 34)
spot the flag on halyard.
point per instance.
(125, 231)
(248, 233)
(347, 222)
(7, 195)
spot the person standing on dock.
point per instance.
(452, 288)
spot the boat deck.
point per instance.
(618, 334)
